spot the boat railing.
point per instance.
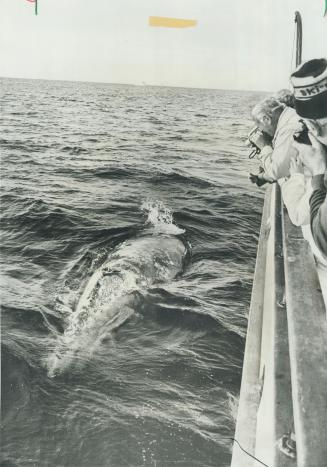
(284, 383)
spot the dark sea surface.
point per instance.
(129, 233)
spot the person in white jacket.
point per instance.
(280, 122)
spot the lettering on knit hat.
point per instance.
(308, 91)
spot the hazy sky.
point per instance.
(242, 44)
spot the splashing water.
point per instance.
(232, 405)
(160, 218)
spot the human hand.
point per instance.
(313, 157)
(258, 179)
(296, 166)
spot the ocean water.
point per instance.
(129, 234)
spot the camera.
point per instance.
(256, 140)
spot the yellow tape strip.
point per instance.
(161, 21)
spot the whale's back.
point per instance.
(113, 291)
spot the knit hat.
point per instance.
(310, 89)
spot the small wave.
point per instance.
(15, 385)
(39, 216)
(67, 99)
(24, 146)
(92, 140)
(74, 150)
(155, 120)
(175, 138)
(114, 173)
(175, 177)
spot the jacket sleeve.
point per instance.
(265, 161)
(281, 157)
(318, 213)
(296, 196)
(276, 162)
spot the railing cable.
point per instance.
(246, 452)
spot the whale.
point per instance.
(113, 292)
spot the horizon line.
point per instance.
(143, 84)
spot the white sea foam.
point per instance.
(232, 405)
(160, 218)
